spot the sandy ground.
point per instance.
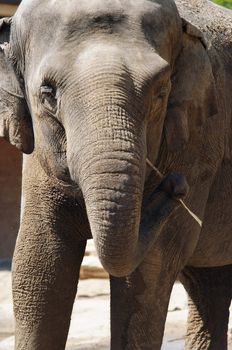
(92, 308)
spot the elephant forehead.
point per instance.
(103, 7)
(96, 6)
(95, 13)
(43, 24)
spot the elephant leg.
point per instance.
(210, 292)
(139, 306)
(45, 276)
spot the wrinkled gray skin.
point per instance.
(93, 88)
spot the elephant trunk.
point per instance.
(113, 195)
(110, 167)
(106, 152)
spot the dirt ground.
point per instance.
(90, 319)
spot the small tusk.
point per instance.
(194, 216)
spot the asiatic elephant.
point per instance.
(90, 90)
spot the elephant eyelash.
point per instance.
(158, 98)
(163, 92)
(48, 88)
(49, 98)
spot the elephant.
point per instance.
(89, 90)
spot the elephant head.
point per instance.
(103, 81)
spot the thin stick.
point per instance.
(154, 168)
(194, 216)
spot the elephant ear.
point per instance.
(193, 96)
(15, 120)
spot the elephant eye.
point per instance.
(48, 95)
(163, 93)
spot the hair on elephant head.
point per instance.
(103, 83)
